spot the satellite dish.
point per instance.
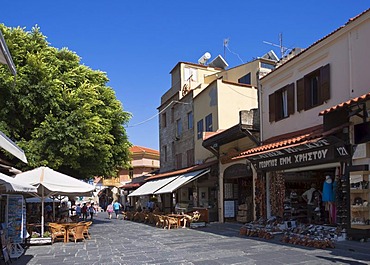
(205, 57)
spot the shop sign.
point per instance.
(295, 157)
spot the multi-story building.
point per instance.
(202, 100)
(144, 161)
(299, 146)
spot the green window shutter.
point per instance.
(300, 95)
(325, 82)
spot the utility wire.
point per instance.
(173, 101)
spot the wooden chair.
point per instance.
(57, 232)
(86, 230)
(171, 222)
(77, 232)
(160, 221)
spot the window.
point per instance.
(190, 73)
(209, 123)
(190, 157)
(178, 128)
(267, 66)
(190, 120)
(313, 89)
(281, 103)
(200, 129)
(245, 79)
(131, 173)
(164, 120)
(178, 161)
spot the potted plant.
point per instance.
(36, 239)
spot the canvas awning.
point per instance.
(5, 57)
(182, 180)
(11, 147)
(151, 187)
(9, 184)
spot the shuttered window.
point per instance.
(314, 89)
(281, 103)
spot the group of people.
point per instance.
(85, 211)
(115, 207)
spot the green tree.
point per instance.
(61, 113)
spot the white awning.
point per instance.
(9, 184)
(182, 180)
(5, 57)
(11, 147)
(151, 187)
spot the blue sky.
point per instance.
(137, 43)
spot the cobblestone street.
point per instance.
(126, 242)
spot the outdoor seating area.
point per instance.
(67, 232)
(161, 220)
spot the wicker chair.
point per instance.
(86, 230)
(57, 232)
(171, 222)
(77, 232)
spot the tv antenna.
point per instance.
(226, 47)
(283, 49)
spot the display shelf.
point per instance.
(359, 200)
(358, 226)
(354, 191)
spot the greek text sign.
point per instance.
(308, 154)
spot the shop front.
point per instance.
(305, 182)
(186, 190)
(238, 193)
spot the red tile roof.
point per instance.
(141, 149)
(298, 140)
(346, 104)
(130, 186)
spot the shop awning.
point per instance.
(9, 184)
(11, 147)
(182, 180)
(152, 186)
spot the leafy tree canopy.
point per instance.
(61, 113)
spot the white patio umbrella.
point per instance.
(50, 182)
(9, 184)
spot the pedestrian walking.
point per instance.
(110, 210)
(117, 207)
(84, 211)
(91, 211)
(78, 210)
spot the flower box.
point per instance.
(39, 240)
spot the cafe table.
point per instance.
(67, 227)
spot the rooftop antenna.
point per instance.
(282, 48)
(226, 43)
(226, 47)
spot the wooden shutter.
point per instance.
(272, 107)
(325, 83)
(290, 89)
(300, 95)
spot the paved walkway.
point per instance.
(124, 242)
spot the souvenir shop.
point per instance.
(13, 225)
(303, 183)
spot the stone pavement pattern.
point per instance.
(117, 242)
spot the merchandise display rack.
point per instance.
(359, 204)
